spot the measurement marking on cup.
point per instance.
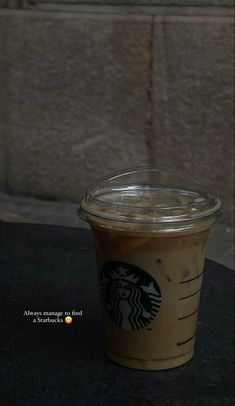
(189, 315)
(186, 341)
(186, 297)
(190, 280)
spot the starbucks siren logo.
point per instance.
(131, 296)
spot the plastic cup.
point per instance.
(150, 230)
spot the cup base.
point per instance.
(151, 365)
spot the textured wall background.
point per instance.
(84, 94)
(197, 3)
(193, 100)
(77, 99)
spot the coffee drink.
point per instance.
(150, 245)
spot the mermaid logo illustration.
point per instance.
(131, 296)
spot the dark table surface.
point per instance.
(49, 268)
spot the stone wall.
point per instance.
(178, 3)
(86, 93)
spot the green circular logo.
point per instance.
(131, 296)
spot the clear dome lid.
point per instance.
(148, 196)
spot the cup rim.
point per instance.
(205, 205)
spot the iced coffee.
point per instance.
(150, 231)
